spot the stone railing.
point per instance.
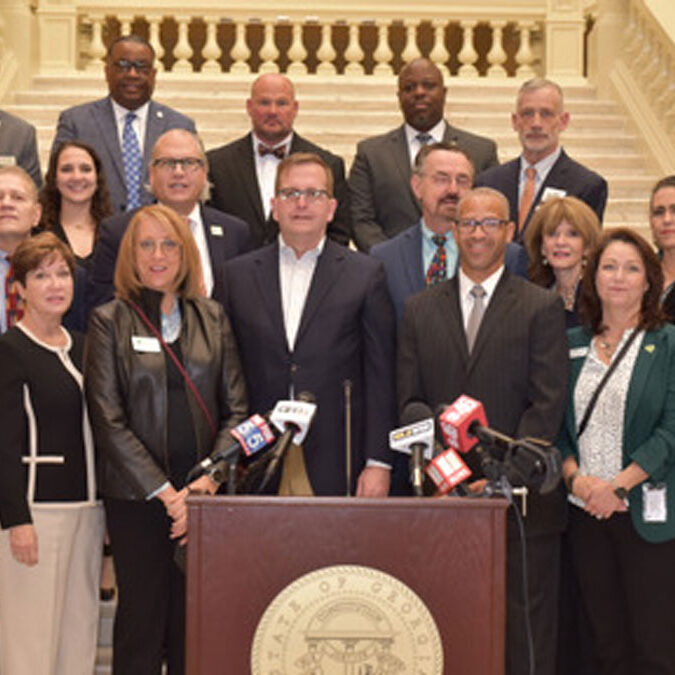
(498, 39)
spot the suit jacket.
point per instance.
(94, 123)
(235, 188)
(517, 368)
(566, 174)
(346, 333)
(383, 203)
(402, 260)
(17, 139)
(649, 420)
(229, 238)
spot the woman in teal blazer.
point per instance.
(620, 467)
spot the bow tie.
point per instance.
(279, 152)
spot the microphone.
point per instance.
(447, 471)
(416, 439)
(292, 419)
(251, 436)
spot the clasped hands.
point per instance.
(598, 497)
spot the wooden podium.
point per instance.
(244, 551)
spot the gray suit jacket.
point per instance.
(94, 123)
(383, 203)
(17, 139)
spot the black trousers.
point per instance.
(150, 620)
(628, 588)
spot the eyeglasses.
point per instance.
(469, 225)
(167, 247)
(311, 195)
(188, 164)
(124, 66)
(443, 179)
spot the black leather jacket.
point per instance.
(126, 390)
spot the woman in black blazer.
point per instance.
(662, 222)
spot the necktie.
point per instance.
(476, 315)
(279, 152)
(423, 137)
(527, 197)
(13, 301)
(436, 271)
(132, 161)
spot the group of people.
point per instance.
(199, 314)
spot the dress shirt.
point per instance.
(197, 228)
(601, 444)
(266, 170)
(466, 300)
(414, 145)
(4, 269)
(138, 124)
(429, 251)
(542, 168)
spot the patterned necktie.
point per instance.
(133, 162)
(13, 301)
(279, 152)
(423, 137)
(527, 197)
(476, 315)
(436, 271)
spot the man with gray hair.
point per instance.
(543, 169)
(177, 175)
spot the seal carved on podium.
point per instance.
(347, 620)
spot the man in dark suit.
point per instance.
(18, 145)
(311, 315)
(426, 253)
(383, 203)
(177, 180)
(124, 126)
(513, 360)
(242, 173)
(539, 119)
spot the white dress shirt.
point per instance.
(198, 232)
(541, 168)
(414, 146)
(266, 170)
(138, 124)
(466, 300)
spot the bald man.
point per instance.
(242, 173)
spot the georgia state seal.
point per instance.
(347, 620)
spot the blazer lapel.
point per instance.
(249, 178)
(104, 118)
(642, 371)
(401, 157)
(411, 262)
(154, 128)
(452, 316)
(267, 280)
(556, 176)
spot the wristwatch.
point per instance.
(621, 492)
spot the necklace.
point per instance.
(569, 295)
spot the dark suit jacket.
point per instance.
(649, 420)
(233, 241)
(383, 203)
(346, 333)
(566, 174)
(517, 369)
(17, 138)
(94, 123)
(402, 260)
(235, 188)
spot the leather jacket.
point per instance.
(126, 389)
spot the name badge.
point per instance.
(551, 192)
(7, 160)
(654, 503)
(143, 343)
(216, 230)
(578, 352)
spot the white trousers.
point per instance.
(49, 612)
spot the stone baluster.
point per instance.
(411, 51)
(182, 51)
(97, 50)
(383, 54)
(524, 55)
(269, 52)
(354, 53)
(125, 23)
(497, 56)
(154, 22)
(632, 35)
(297, 52)
(240, 51)
(439, 53)
(467, 55)
(326, 53)
(211, 51)
(665, 100)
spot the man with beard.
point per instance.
(544, 169)
(426, 254)
(382, 202)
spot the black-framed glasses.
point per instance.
(125, 65)
(188, 164)
(311, 195)
(467, 225)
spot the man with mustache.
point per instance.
(383, 203)
(426, 253)
(543, 169)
